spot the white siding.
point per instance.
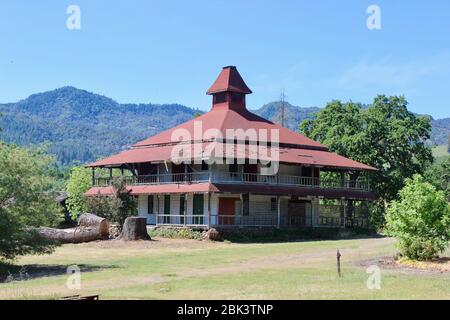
(143, 209)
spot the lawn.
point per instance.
(191, 269)
(440, 153)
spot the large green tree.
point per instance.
(26, 201)
(384, 135)
(439, 176)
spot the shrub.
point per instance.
(173, 233)
(116, 207)
(79, 182)
(420, 220)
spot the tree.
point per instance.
(420, 220)
(116, 207)
(384, 135)
(79, 182)
(448, 144)
(438, 175)
(26, 201)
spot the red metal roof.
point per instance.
(237, 188)
(229, 80)
(228, 119)
(294, 147)
(157, 189)
(285, 155)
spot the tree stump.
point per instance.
(135, 228)
(212, 235)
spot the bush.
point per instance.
(116, 207)
(420, 220)
(79, 182)
(173, 233)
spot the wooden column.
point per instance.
(93, 176)
(157, 173)
(209, 209)
(185, 208)
(157, 212)
(278, 212)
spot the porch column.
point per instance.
(209, 209)
(93, 176)
(343, 212)
(157, 212)
(185, 208)
(278, 212)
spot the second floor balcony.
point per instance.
(360, 184)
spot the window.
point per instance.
(237, 97)
(233, 168)
(273, 204)
(220, 97)
(150, 205)
(245, 204)
(182, 202)
(182, 208)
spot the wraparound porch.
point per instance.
(250, 210)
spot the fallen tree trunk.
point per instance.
(135, 228)
(91, 228)
(91, 220)
(73, 235)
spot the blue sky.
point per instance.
(171, 51)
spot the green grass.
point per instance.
(190, 269)
(440, 153)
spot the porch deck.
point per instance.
(360, 184)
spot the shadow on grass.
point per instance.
(12, 272)
(274, 235)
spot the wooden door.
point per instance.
(198, 208)
(227, 210)
(297, 213)
(166, 209)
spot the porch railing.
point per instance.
(182, 220)
(232, 178)
(260, 220)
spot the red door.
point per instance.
(227, 210)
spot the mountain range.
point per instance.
(80, 126)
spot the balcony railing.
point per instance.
(238, 178)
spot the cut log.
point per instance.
(91, 228)
(93, 221)
(135, 228)
(73, 235)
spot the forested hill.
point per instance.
(294, 115)
(83, 126)
(79, 125)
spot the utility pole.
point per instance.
(282, 106)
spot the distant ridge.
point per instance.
(82, 126)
